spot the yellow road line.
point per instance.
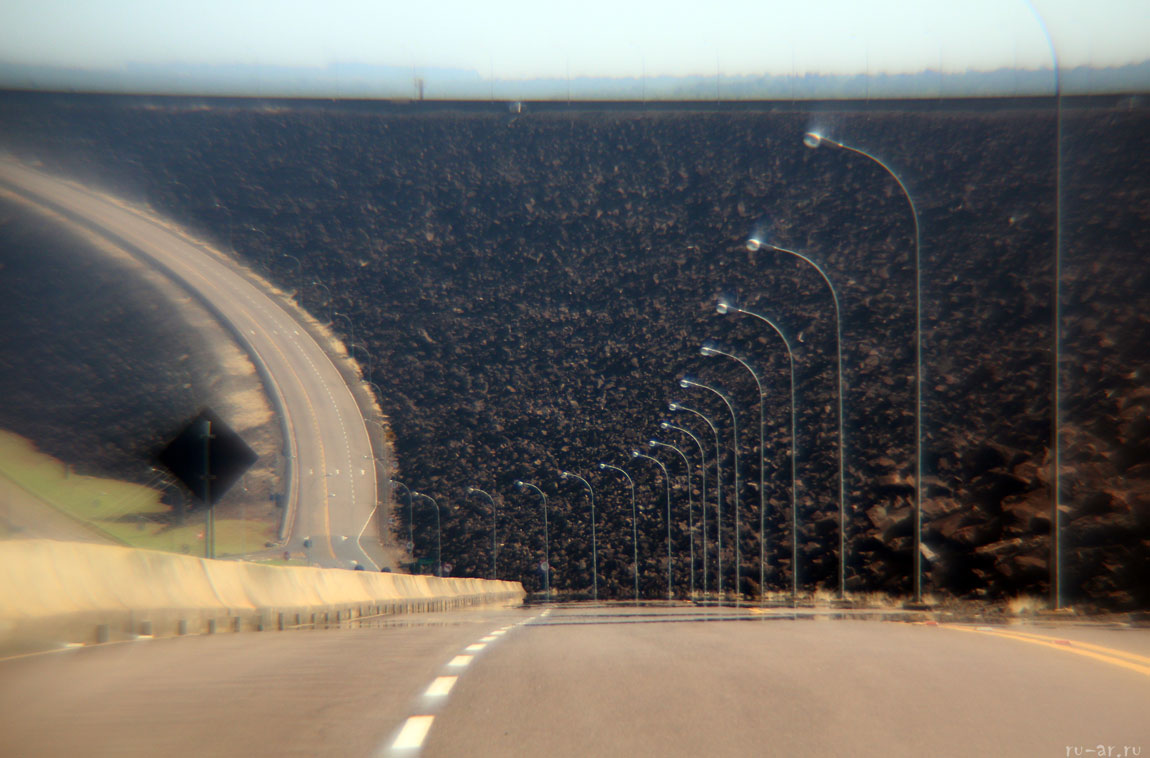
(1122, 658)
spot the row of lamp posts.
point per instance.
(754, 244)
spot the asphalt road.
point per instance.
(333, 484)
(592, 680)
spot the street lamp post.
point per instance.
(703, 492)
(370, 361)
(685, 383)
(494, 542)
(546, 538)
(667, 482)
(718, 498)
(350, 325)
(690, 505)
(410, 517)
(438, 534)
(1056, 312)
(726, 307)
(814, 140)
(634, 524)
(754, 243)
(594, 546)
(710, 350)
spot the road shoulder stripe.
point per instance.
(1111, 656)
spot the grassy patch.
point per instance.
(88, 498)
(123, 510)
(233, 536)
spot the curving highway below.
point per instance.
(330, 482)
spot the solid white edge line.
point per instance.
(413, 734)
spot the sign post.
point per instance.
(208, 457)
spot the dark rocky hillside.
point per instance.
(92, 365)
(531, 288)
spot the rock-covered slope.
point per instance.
(530, 289)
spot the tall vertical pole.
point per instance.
(703, 492)
(813, 140)
(1056, 392)
(209, 517)
(690, 509)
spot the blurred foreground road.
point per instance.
(588, 680)
(332, 479)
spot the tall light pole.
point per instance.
(725, 307)
(494, 542)
(1056, 395)
(690, 506)
(350, 325)
(438, 534)
(634, 523)
(667, 482)
(546, 538)
(711, 350)
(685, 383)
(410, 517)
(703, 507)
(813, 140)
(718, 496)
(754, 243)
(594, 546)
(370, 361)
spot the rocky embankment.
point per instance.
(530, 289)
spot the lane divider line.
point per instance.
(409, 741)
(1113, 657)
(413, 734)
(441, 686)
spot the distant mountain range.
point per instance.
(353, 80)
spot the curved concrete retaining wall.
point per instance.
(58, 593)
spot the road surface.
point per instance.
(587, 680)
(332, 488)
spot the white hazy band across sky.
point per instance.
(529, 39)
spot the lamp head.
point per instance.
(672, 407)
(754, 243)
(602, 466)
(723, 307)
(472, 489)
(563, 475)
(664, 425)
(519, 483)
(706, 350)
(635, 453)
(684, 383)
(812, 139)
(652, 443)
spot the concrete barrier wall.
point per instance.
(58, 593)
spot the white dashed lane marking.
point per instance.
(413, 734)
(441, 686)
(411, 737)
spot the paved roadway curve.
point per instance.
(590, 681)
(332, 476)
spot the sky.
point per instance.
(526, 39)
